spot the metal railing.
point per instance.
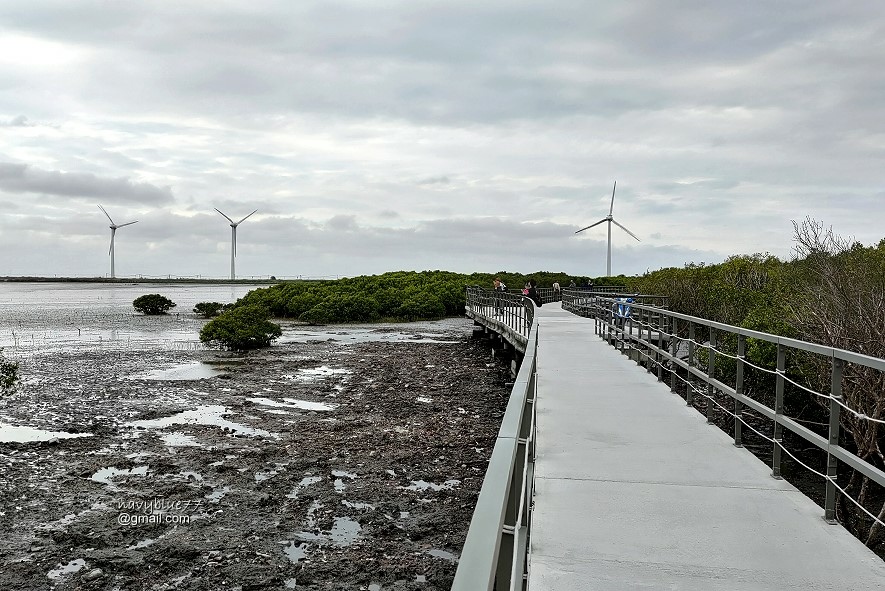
(495, 552)
(668, 342)
(511, 314)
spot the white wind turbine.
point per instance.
(610, 220)
(233, 239)
(114, 233)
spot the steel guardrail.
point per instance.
(495, 552)
(644, 328)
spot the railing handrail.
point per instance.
(655, 321)
(497, 539)
(843, 354)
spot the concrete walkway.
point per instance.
(634, 490)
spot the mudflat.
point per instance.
(337, 459)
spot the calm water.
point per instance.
(48, 317)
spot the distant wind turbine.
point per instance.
(233, 239)
(610, 220)
(113, 233)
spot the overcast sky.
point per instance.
(378, 135)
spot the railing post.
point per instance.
(659, 357)
(711, 371)
(691, 347)
(778, 433)
(832, 463)
(739, 390)
(674, 367)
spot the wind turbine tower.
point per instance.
(113, 233)
(233, 240)
(610, 220)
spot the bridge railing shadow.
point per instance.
(495, 551)
(711, 362)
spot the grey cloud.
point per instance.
(21, 178)
(439, 180)
(17, 121)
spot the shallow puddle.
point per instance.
(345, 531)
(443, 554)
(316, 373)
(105, 475)
(422, 485)
(293, 403)
(203, 415)
(295, 553)
(305, 482)
(194, 370)
(217, 494)
(180, 440)
(12, 434)
(67, 569)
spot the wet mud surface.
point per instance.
(336, 459)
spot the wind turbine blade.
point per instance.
(128, 224)
(244, 219)
(626, 230)
(612, 208)
(111, 249)
(234, 240)
(591, 225)
(222, 213)
(106, 213)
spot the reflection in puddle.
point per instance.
(422, 485)
(141, 544)
(316, 373)
(444, 555)
(217, 494)
(67, 569)
(180, 440)
(194, 370)
(293, 403)
(203, 415)
(11, 434)
(359, 506)
(345, 531)
(295, 553)
(305, 482)
(105, 475)
(339, 483)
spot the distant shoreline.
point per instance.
(136, 280)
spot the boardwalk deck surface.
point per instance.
(634, 490)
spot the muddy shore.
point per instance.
(331, 463)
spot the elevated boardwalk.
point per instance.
(634, 490)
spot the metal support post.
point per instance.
(832, 463)
(660, 356)
(691, 346)
(739, 390)
(674, 330)
(778, 434)
(711, 372)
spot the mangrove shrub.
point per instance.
(241, 329)
(153, 304)
(8, 374)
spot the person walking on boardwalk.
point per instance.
(499, 288)
(557, 292)
(533, 292)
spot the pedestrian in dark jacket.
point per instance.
(533, 293)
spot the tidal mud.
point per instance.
(338, 459)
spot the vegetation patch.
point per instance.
(153, 304)
(241, 328)
(8, 374)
